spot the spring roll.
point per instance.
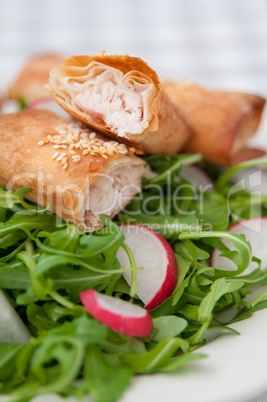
(30, 83)
(223, 122)
(80, 174)
(122, 97)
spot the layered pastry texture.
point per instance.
(77, 173)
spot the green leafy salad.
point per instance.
(44, 265)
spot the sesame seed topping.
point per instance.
(75, 138)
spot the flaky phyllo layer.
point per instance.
(121, 102)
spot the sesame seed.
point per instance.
(104, 156)
(122, 151)
(64, 160)
(59, 158)
(65, 166)
(41, 142)
(55, 155)
(76, 158)
(56, 146)
(92, 135)
(110, 151)
(85, 151)
(72, 152)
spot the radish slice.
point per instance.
(253, 179)
(197, 177)
(255, 231)
(158, 279)
(119, 315)
(12, 329)
(51, 105)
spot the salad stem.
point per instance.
(226, 176)
(133, 265)
(188, 160)
(64, 302)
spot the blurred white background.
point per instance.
(221, 43)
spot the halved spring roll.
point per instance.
(222, 121)
(78, 173)
(122, 97)
(31, 81)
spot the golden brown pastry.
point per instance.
(122, 97)
(79, 173)
(30, 84)
(222, 121)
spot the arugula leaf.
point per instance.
(168, 327)
(156, 358)
(8, 354)
(103, 381)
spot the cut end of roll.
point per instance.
(112, 193)
(106, 96)
(122, 97)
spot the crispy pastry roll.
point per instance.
(30, 83)
(222, 121)
(79, 173)
(122, 97)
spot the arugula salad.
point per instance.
(45, 265)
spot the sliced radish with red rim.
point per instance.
(151, 251)
(117, 314)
